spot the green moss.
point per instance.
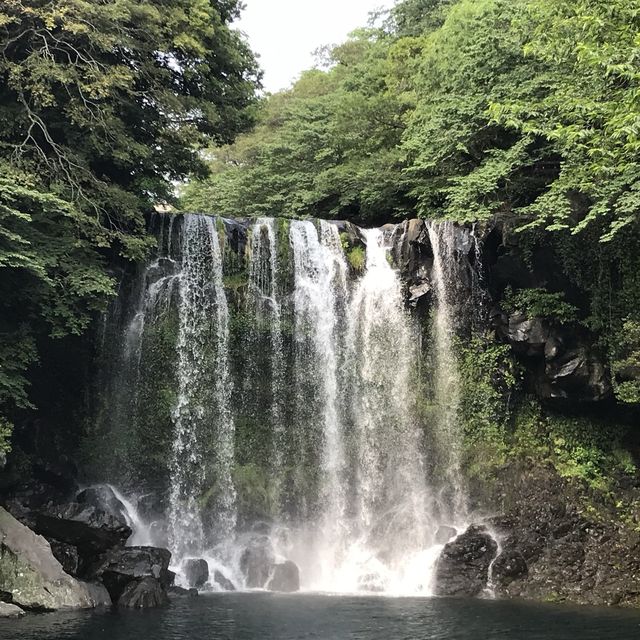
(236, 281)
(357, 258)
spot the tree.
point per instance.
(103, 107)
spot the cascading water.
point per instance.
(451, 498)
(266, 308)
(203, 447)
(300, 390)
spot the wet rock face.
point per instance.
(285, 577)
(119, 568)
(508, 566)
(223, 582)
(196, 573)
(67, 556)
(85, 526)
(554, 550)
(146, 593)
(33, 579)
(463, 566)
(560, 360)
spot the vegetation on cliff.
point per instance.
(103, 106)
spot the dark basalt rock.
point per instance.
(463, 566)
(83, 525)
(285, 577)
(508, 566)
(224, 582)
(102, 497)
(560, 360)
(196, 572)
(147, 593)
(66, 555)
(119, 567)
(256, 563)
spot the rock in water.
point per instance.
(10, 610)
(34, 578)
(463, 565)
(119, 567)
(224, 582)
(256, 563)
(196, 572)
(285, 578)
(147, 593)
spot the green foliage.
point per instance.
(588, 449)
(538, 303)
(103, 106)
(357, 259)
(489, 378)
(626, 362)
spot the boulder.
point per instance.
(507, 567)
(102, 497)
(256, 563)
(33, 577)
(117, 568)
(285, 577)
(196, 572)
(8, 610)
(147, 593)
(66, 555)
(463, 565)
(223, 582)
(85, 526)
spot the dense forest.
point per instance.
(523, 113)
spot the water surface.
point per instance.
(310, 617)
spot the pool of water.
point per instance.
(309, 617)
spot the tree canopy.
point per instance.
(103, 107)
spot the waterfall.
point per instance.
(310, 409)
(445, 374)
(266, 307)
(320, 282)
(202, 495)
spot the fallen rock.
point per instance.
(85, 526)
(147, 593)
(463, 565)
(119, 567)
(285, 577)
(33, 577)
(196, 572)
(222, 581)
(8, 610)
